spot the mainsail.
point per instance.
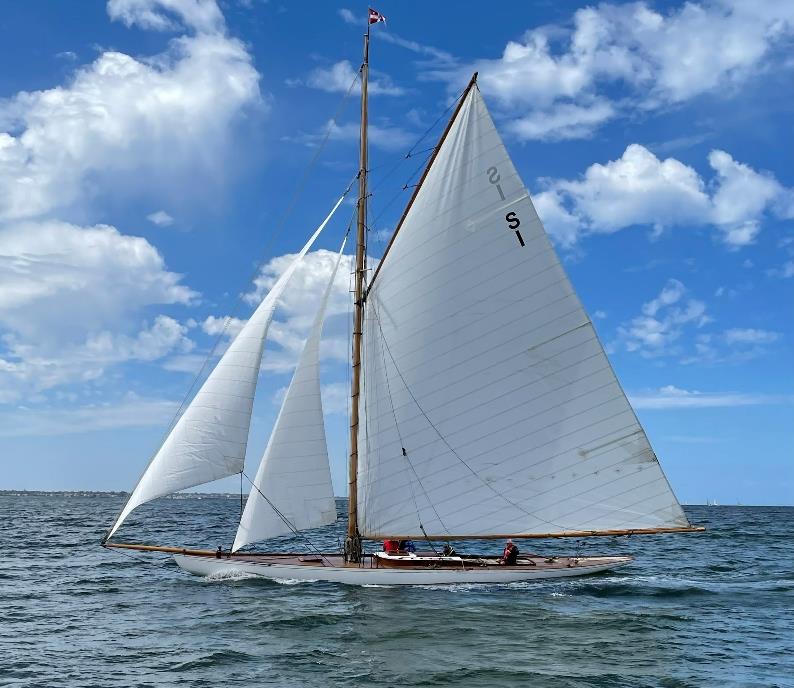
(489, 405)
(209, 440)
(292, 489)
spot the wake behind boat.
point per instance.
(483, 405)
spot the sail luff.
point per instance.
(209, 440)
(292, 489)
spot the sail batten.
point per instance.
(485, 374)
(292, 488)
(209, 440)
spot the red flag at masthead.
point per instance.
(375, 17)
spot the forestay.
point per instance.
(209, 440)
(292, 489)
(489, 405)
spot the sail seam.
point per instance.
(454, 453)
(538, 495)
(402, 443)
(517, 389)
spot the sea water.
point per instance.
(713, 609)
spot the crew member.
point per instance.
(510, 554)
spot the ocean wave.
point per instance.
(212, 659)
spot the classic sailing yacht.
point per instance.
(483, 404)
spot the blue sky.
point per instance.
(150, 148)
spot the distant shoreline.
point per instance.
(233, 495)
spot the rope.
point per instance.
(236, 309)
(289, 525)
(411, 153)
(402, 445)
(449, 446)
(145, 560)
(275, 235)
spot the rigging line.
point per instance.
(200, 373)
(402, 189)
(449, 446)
(422, 166)
(144, 560)
(411, 152)
(286, 521)
(276, 233)
(438, 119)
(402, 444)
(424, 150)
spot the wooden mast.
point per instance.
(353, 542)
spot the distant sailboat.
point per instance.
(483, 404)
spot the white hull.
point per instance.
(206, 566)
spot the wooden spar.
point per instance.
(564, 534)
(195, 552)
(158, 548)
(358, 320)
(514, 536)
(430, 162)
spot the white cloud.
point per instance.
(297, 309)
(785, 271)
(562, 224)
(644, 57)
(437, 56)
(164, 336)
(672, 324)
(59, 281)
(348, 17)
(734, 345)
(68, 297)
(750, 336)
(168, 15)
(640, 189)
(741, 198)
(229, 327)
(131, 412)
(339, 77)
(562, 121)
(384, 136)
(671, 397)
(670, 294)
(336, 397)
(661, 324)
(122, 119)
(76, 300)
(160, 218)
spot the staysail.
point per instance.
(209, 440)
(292, 489)
(489, 405)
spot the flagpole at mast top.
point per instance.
(353, 540)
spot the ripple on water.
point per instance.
(712, 609)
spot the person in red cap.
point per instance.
(510, 554)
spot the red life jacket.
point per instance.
(391, 546)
